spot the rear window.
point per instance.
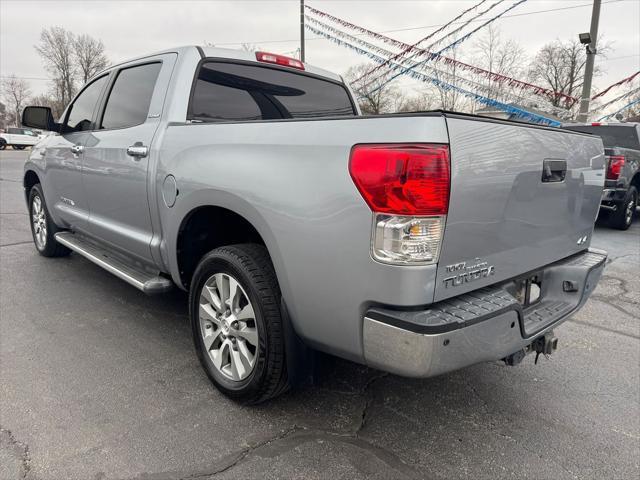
(237, 92)
(612, 135)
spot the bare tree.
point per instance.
(15, 91)
(450, 98)
(418, 103)
(4, 120)
(559, 65)
(89, 56)
(374, 96)
(56, 48)
(504, 57)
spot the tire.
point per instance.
(622, 218)
(230, 367)
(43, 229)
(3, 144)
(18, 147)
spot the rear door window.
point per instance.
(130, 97)
(239, 92)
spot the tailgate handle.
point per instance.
(554, 170)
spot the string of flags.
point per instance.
(617, 84)
(494, 77)
(409, 48)
(369, 47)
(624, 96)
(512, 110)
(626, 107)
(454, 44)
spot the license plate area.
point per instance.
(528, 290)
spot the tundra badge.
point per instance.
(467, 273)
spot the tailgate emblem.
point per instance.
(468, 273)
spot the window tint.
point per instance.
(227, 91)
(612, 135)
(130, 97)
(81, 113)
(14, 131)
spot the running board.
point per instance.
(145, 281)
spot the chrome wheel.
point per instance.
(39, 221)
(628, 214)
(228, 326)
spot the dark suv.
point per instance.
(622, 150)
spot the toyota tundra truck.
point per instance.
(413, 243)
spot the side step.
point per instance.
(145, 281)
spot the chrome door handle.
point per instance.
(77, 149)
(137, 150)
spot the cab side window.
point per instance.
(80, 114)
(130, 97)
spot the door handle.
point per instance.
(77, 149)
(138, 150)
(554, 170)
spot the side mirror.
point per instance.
(40, 118)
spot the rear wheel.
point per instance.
(234, 305)
(3, 144)
(43, 229)
(622, 218)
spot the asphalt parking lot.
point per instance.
(99, 381)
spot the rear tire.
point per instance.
(622, 218)
(237, 324)
(43, 229)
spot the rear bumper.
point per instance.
(485, 325)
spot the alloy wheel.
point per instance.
(228, 326)
(629, 211)
(39, 221)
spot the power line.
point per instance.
(296, 40)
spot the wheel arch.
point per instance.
(197, 235)
(29, 180)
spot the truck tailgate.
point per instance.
(521, 197)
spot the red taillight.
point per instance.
(402, 179)
(616, 162)
(596, 124)
(279, 60)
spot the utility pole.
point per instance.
(588, 69)
(302, 30)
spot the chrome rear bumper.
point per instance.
(485, 325)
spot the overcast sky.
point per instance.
(130, 28)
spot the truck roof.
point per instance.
(227, 53)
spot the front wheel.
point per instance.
(3, 144)
(19, 147)
(234, 306)
(43, 229)
(622, 218)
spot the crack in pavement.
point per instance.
(16, 243)
(368, 400)
(25, 457)
(296, 435)
(607, 300)
(606, 329)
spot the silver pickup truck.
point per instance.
(413, 243)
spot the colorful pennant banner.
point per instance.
(617, 84)
(456, 79)
(626, 107)
(517, 112)
(431, 35)
(495, 77)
